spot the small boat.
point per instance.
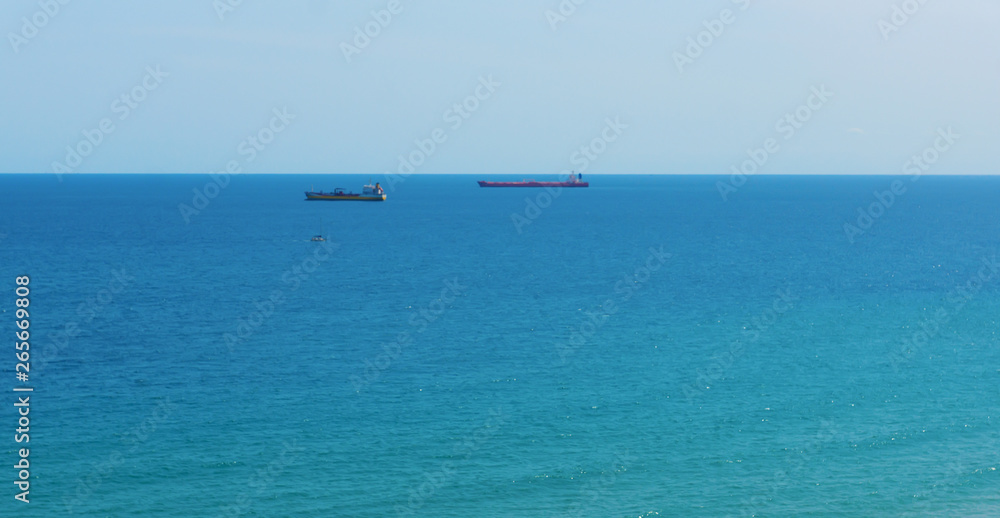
(368, 193)
(574, 181)
(319, 237)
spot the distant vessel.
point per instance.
(319, 237)
(574, 181)
(369, 193)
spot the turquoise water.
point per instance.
(638, 348)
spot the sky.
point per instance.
(502, 87)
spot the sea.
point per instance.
(671, 346)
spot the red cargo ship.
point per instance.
(574, 181)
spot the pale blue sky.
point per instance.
(557, 86)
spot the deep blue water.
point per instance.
(640, 348)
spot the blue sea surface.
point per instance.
(643, 347)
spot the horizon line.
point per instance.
(904, 175)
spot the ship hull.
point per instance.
(533, 184)
(326, 196)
